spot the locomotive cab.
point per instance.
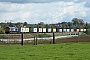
(7, 30)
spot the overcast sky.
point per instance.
(47, 11)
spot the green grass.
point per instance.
(60, 51)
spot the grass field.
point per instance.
(60, 51)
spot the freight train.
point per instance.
(40, 30)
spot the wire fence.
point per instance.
(40, 38)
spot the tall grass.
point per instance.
(61, 51)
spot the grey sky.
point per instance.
(39, 1)
(48, 11)
(46, 1)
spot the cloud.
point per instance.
(48, 12)
(29, 1)
(39, 1)
(87, 4)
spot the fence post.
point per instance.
(78, 37)
(54, 38)
(22, 38)
(34, 41)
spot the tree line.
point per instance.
(74, 24)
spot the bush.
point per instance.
(1, 31)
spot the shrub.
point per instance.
(1, 31)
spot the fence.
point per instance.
(33, 38)
(23, 38)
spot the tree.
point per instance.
(65, 25)
(52, 26)
(75, 21)
(47, 26)
(81, 22)
(41, 25)
(70, 24)
(4, 25)
(18, 24)
(89, 26)
(86, 25)
(88, 32)
(78, 23)
(25, 24)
